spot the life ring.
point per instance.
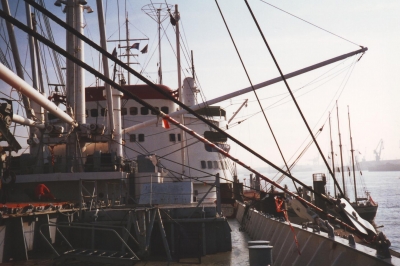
(8, 177)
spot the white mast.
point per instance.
(159, 45)
(75, 80)
(128, 48)
(112, 95)
(80, 104)
(70, 66)
(352, 158)
(341, 153)
(178, 57)
(35, 150)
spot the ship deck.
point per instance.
(238, 256)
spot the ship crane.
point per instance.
(378, 150)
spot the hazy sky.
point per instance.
(369, 87)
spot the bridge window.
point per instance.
(165, 109)
(172, 137)
(94, 112)
(216, 165)
(133, 111)
(124, 111)
(209, 164)
(141, 137)
(144, 110)
(132, 137)
(103, 112)
(203, 164)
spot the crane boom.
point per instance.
(378, 150)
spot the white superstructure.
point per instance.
(201, 163)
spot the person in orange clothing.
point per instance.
(43, 193)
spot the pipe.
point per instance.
(80, 103)
(20, 85)
(27, 122)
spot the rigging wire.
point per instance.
(57, 57)
(6, 41)
(255, 93)
(311, 23)
(4, 60)
(175, 162)
(332, 101)
(274, 105)
(318, 79)
(294, 99)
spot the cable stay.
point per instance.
(294, 99)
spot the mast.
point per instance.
(112, 95)
(36, 150)
(80, 103)
(159, 46)
(352, 157)
(333, 159)
(178, 57)
(76, 104)
(70, 66)
(128, 49)
(191, 56)
(14, 49)
(341, 154)
(70, 149)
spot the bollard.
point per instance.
(258, 243)
(260, 255)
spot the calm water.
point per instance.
(384, 188)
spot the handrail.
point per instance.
(85, 227)
(103, 225)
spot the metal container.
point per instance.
(258, 243)
(260, 255)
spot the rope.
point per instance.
(311, 23)
(278, 204)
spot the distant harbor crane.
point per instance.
(378, 150)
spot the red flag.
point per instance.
(165, 123)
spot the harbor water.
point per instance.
(384, 189)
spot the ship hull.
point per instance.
(366, 212)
